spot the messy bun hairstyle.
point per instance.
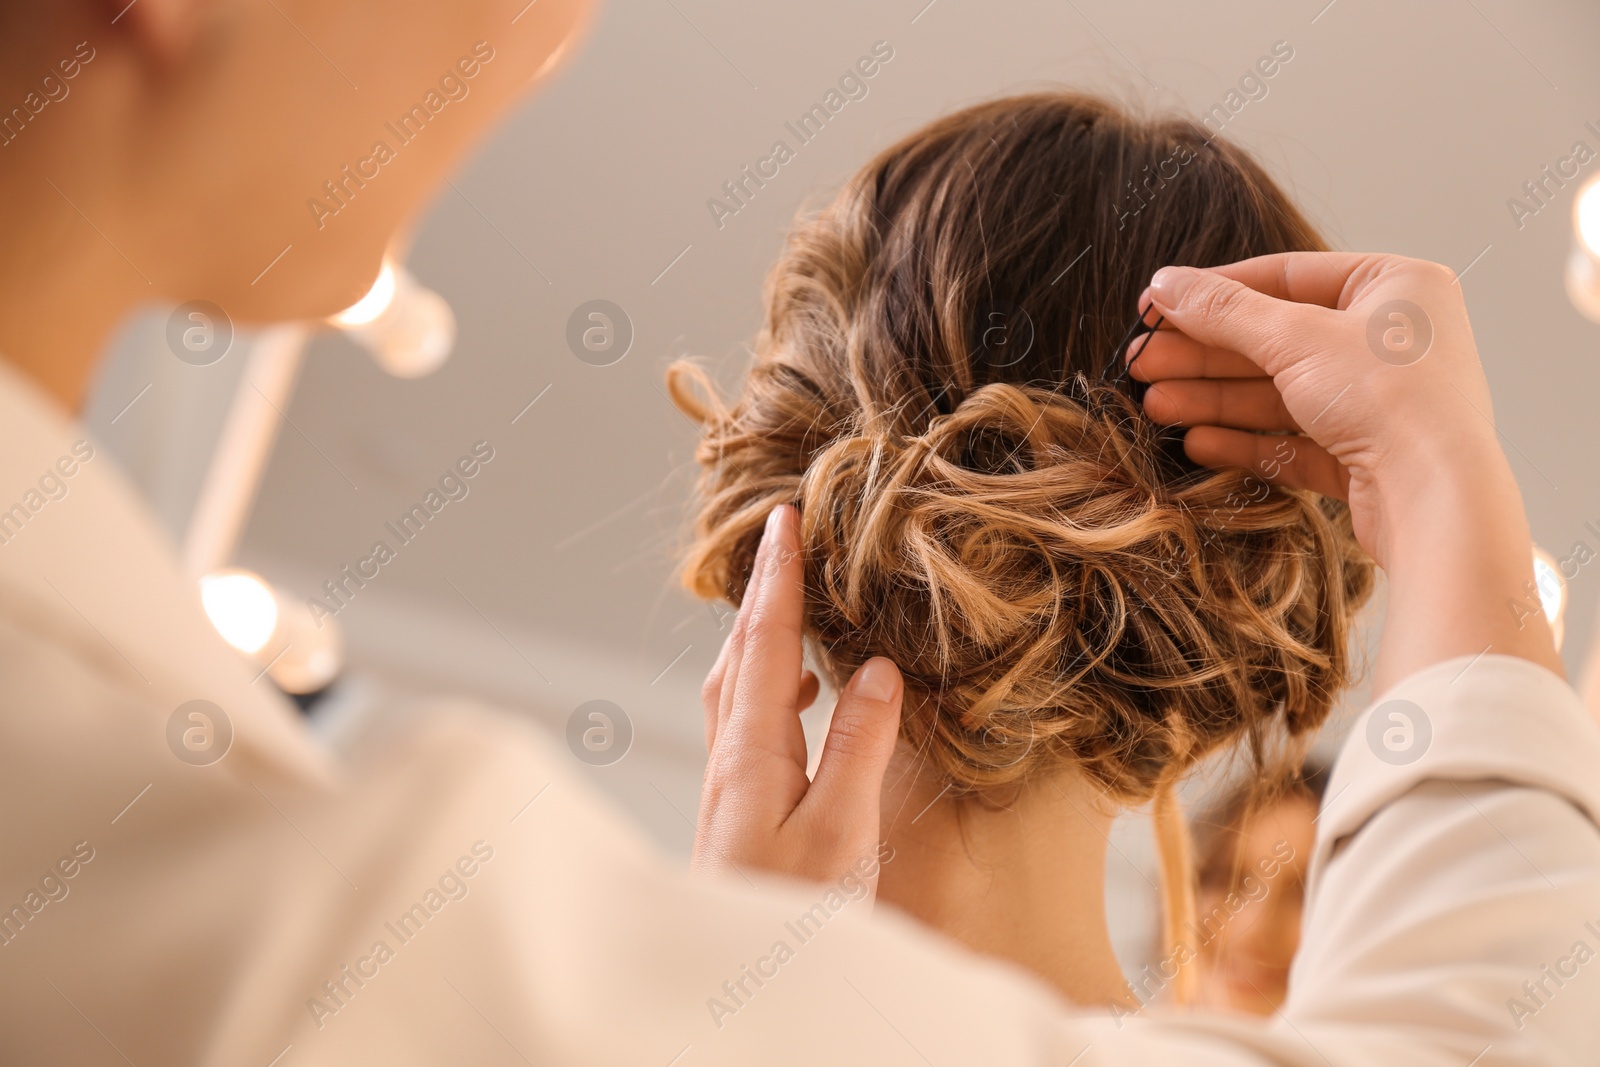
(1057, 584)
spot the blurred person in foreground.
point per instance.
(459, 896)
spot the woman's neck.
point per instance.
(64, 284)
(54, 331)
(1023, 880)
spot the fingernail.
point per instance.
(767, 559)
(758, 561)
(1170, 283)
(877, 680)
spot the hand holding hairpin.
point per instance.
(1139, 329)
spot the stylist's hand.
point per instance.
(758, 809)
(1357, 376)
(1279, 344)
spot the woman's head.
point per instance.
(209, 135)
(1058, 586)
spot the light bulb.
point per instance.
(375, 303)
(242, 608)
(1583, 265)
(1586, 214)
(1547, 578)
(408, 329)
(277, 633)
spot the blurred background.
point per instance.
(1412, 128)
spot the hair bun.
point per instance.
(1054, 583)
(1048, 591)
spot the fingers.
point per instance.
(1169, 354)
(809, 688)
(1292, 462)
(764, 710)
(711, 692)
(1220, 312)
(861, 739)
(733, 648)
(1245, 404)
(1321, 278)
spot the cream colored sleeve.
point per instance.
(1456, 887)
(1447, 876)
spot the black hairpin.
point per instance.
(1138, 329)
(1168, 439)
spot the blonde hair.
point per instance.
(1056, 582)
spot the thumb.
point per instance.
(1218, 311)
(861, 738)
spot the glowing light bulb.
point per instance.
(1552, 588)
(242, 608)
(1587, 214)
(418, 334)
(1583, 265)
(409, 330)
(375, 303)
(277, 633)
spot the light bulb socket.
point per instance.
(299, 652)
(309, 650)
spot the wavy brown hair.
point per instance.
(1056, 582)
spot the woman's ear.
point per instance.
(163, 29)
